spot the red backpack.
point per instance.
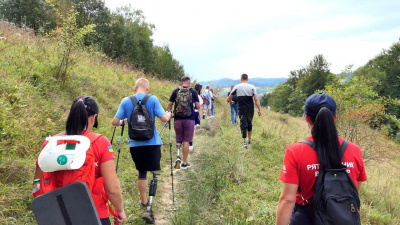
(53, 180)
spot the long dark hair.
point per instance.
(326, 140)
(198, 87)
(81, 109)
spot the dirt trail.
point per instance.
(164, 209)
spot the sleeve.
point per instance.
(173, 95)
(233, 91)
(121, 113)
(195, 96)
(289, 172)
(158, 109)
(105, 151)
(363, 175)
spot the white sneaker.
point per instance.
(191, 148)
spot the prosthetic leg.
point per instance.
(244, 143)
(178, 160)
(148, 216)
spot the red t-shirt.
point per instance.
(103, 152)
(301, 167)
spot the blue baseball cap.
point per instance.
(316, 101)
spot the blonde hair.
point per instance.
(142, 82)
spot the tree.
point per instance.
(35, 14)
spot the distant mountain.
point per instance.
(258, 82)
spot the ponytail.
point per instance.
(77, 119)
(326, 139)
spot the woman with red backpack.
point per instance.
(99, 163)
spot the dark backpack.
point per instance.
(336, 199)
(183, 102)
(141, 125)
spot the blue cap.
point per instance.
(316, 101)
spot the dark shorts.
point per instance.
(146, 158)
(196, 118)
(184, 130)
(300, 216)
(246, 121)
(105, 221)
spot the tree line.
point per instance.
(369, 95)
(124, 35)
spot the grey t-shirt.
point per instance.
(245, 93)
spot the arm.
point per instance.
(166, 116)
(257, 104)
(169, 107)
(286, 203)
(111, 186)
(229, 99)
(116, 121)
(359, 186)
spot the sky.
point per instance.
(215, 39)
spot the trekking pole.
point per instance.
(170, 154)
(120, 143)
(163, 130)
(112, 138)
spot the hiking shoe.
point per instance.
(178, 163)
(191, 148)
(142, 205)
(185, 165)
(148, 217)
(245, 145)
(248, 141)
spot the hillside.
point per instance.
(263, 84)
(226, 184)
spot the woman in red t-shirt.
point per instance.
(301, 163)
(81, 119)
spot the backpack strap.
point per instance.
(343, 148)
(142, 102)
(134, 100)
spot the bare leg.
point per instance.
(249, 134)
(185, 151)
(142, 185)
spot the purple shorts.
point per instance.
(184, 130)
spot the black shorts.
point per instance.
(146, 158)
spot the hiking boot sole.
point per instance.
(148, 217)
(177, 164)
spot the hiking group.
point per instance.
(321, 175)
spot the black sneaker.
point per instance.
(178, 163)
(248, 141)
(142, 205)
(148, 217)
(185, 165)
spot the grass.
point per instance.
(226, 185)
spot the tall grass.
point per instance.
(226, 184)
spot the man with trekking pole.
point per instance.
(184, 98)
(245, 94)
(140, 111)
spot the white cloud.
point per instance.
(220, 38)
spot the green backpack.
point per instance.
(182, 102)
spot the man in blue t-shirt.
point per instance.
(145, 154)
(184, 125)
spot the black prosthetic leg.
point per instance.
(148, 216)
